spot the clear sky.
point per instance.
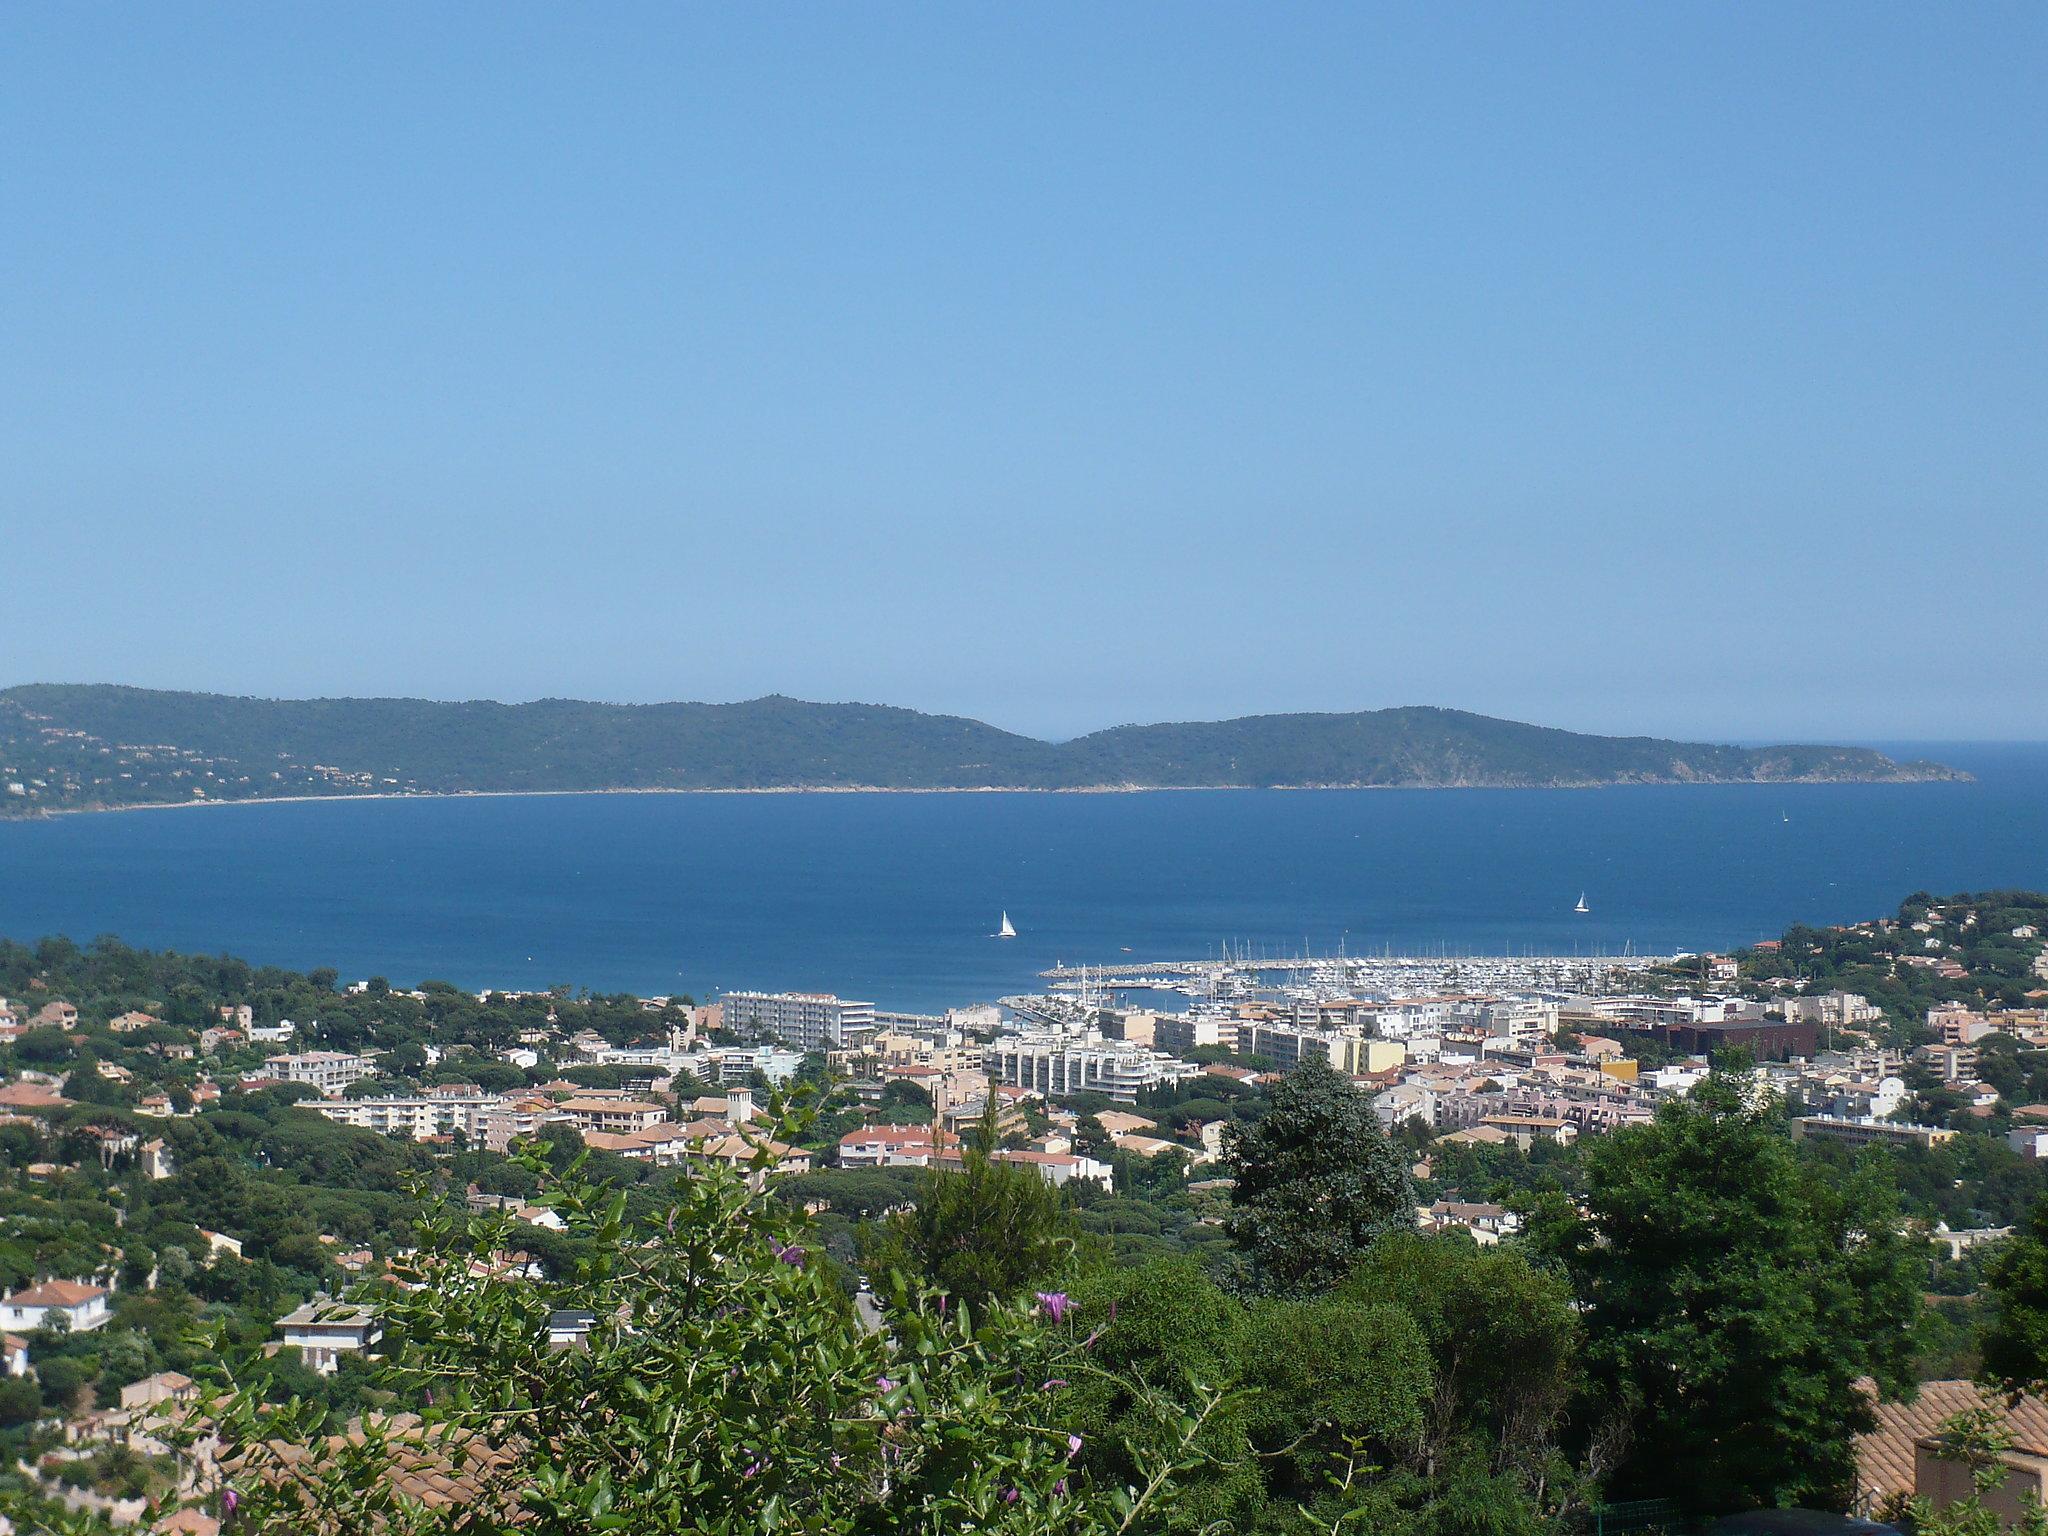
(1627, 367)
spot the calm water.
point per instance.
(891, 897)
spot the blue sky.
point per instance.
(1664, 368)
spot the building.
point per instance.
(1059, 1168)
(1764, 1039)
(1865, 1133)
(323, 1330)
(1057, 1066)
(806, 1021)
(618, 1116)
(1525, 1131)
(14, 1354)
(1178, 1033)
(1898, 1459)
(157, 1160)
(895, 1146)
(81, 1307)
(329, 1072)
(2030, 1141)
(1488, 1224)
(438, 1112)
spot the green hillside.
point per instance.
(83, 746)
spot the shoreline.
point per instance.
(43, 813)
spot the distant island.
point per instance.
(91, 747)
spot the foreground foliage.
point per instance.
(725, 1385)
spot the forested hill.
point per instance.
(72, 747)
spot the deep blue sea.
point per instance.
(892, 897)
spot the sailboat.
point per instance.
(1582, 907)
(1006, 931)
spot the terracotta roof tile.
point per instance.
(1884, 1457)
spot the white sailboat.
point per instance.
(1582, 907)
(1006, 931)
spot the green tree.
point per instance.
(727, 1388)
(1732, 1299)
(1169, 1324)
(1316, 1181)
(1337, 1394)
(1504, 1344)
(2015, 1341)
(986, 1233)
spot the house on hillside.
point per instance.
(323, 1330)
(81, 1307)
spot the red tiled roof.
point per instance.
(55, 1293)
(1884, 1456)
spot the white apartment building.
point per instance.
(327, 1071)
(1526, 1022)
(808, 1021)
(439, 1112)
(1059, 1065)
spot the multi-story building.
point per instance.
(895, 1146)
(516, 1119)
(1060, 1065)
(1176, 1033)
(439, 1112)
(327, 1071)
(1863, 1133)
(591, 1113)
(1524, 1022)
(724, 1064)
(808, 1021)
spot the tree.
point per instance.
(1316, 1181)
(2016, 1339)
(1732, 1299)
(987, 1233)
(21, 1401)
(1167, 1323)
(727, 1387)
(1504, 1343)
(1336, 1393)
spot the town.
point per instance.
(188, 1138)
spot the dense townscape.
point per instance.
(1380, 1245)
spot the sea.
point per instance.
(895, 898)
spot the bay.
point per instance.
(893, 897)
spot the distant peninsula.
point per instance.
(93, 747)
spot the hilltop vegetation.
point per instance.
(80, 747)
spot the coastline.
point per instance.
(42, 813)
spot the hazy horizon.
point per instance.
(1882, 742)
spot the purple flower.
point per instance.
(885, 1384)
(1009, 1495)
(790, 1255)
(1073, 1446)
(1060, 1487)
(1089, 1342)
(1056, 1381)
(755, 1468)
(228, 1500)
(1057, 1304)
